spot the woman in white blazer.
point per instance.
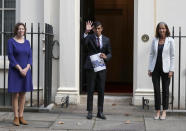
(161, 65)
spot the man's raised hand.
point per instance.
(89, 27)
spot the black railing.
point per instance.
(48, 35)
(5, 35)
(179, 37)
(48, 64)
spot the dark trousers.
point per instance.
(95, 79)
(156, 75)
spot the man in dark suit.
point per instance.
(96, 43)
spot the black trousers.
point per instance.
(95, 79)
(156, 75)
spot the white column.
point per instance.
(144, 23)
(69, 51)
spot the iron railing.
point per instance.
(48, 35)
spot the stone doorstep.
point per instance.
(116, 99)
(176, 112)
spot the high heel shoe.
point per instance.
(156, 117)
(163, 118)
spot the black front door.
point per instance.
(86, 13)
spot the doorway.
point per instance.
(117, 18)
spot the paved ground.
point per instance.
(121, 116)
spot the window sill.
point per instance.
(2, 63)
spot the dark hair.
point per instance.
(157, 30)
(16, 27)
(96, 24)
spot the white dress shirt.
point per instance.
(100, 41)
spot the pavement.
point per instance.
(121, 116)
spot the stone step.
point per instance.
(109, 99)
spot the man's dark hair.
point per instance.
(96, 24)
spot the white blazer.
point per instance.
(168, 55)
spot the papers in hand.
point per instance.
(97, 62)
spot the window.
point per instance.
(7, 21)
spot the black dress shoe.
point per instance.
(89, 115)
(101, 116)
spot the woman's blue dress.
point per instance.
(19, 53)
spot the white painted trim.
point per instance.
(138, 95)
(155, 15)
(135, 46)
(73, 98)
(144, 90)
(2, 62)
(17, 10)
(77, 45)
(67, 89)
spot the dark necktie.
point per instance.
(98, 42)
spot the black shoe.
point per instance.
(89, 115)
(101, 116)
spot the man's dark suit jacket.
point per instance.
(92, 48)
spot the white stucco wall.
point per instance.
(64, 15)
(147, 14)
(42, 11)
(27, 12)
(173, 12)
(51, 16)
(31, 11)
